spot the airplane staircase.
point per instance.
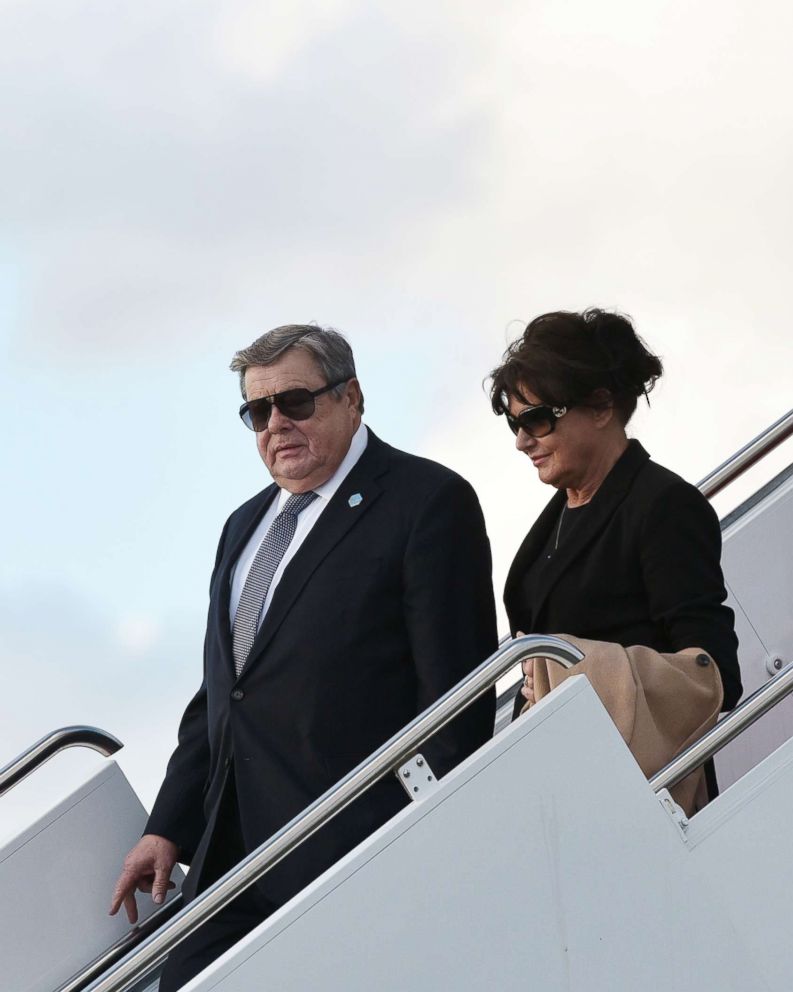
(544, 860)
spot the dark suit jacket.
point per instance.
(383, 608)
(642, 567)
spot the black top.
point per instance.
(568, 520)
(641, 566)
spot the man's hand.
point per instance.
(147, 867)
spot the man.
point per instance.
(346, 598)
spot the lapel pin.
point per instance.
(355, 500)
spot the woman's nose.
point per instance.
(524, 442)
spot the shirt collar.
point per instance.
(328, 489)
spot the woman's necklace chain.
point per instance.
(558, 530)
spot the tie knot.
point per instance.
(298, 502)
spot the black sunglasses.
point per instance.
(536, 421)
(296, 404)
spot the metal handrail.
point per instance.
(59, 740)
(125, 943)
(726, 730)
(389, 757)
(747, 456)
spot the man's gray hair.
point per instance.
(327, 347)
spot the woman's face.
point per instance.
(564, 458)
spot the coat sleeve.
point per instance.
(681, 566)
(450, 613)
(178, 811)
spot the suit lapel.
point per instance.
(602, 507)
(337, 519)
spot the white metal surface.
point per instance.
(758, 567)
(738, 847)
(544, 861)
(56, 877)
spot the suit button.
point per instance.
(703, 660)
(237, 695)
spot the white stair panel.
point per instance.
(544, 861)
(758, 567)
(56, 879)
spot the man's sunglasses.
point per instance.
(536, 421)
(296, 404)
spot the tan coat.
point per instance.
(660, 703)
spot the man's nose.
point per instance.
(278, 423)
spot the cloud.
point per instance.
(138, 633)
(410, 166)
(142, 199)
(260, 42)
(66, 661)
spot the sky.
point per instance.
(426, 177)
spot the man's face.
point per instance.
(302, 454)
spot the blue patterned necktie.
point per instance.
(264, 566)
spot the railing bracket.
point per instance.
(676, 813)
(774, 663)
(417, 777)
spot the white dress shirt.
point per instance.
(305, 522)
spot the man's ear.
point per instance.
(353, 394)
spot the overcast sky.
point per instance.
(180, 177)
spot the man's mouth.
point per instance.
(288, 449)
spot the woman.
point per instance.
(626, 552)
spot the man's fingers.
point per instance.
(147, 867)
(124, 885)
(125, 893)
(147, 884)
(131, 907)
(162, 876)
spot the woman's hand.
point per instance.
(527, 689)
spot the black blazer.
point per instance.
(642, 567)
(383, 608)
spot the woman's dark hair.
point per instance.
(590, 358)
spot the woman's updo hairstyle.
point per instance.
(570, 359)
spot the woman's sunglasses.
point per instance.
(296, 404)
(536, 421)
